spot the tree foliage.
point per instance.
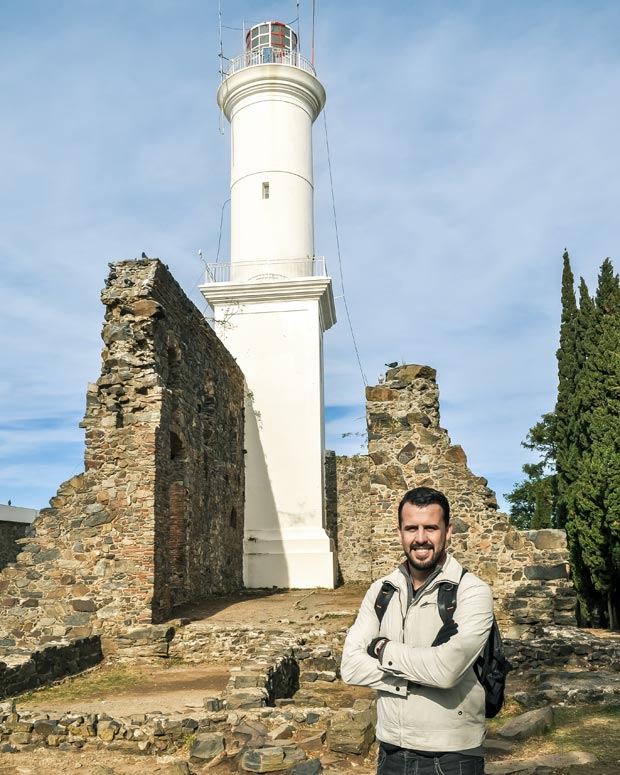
(594, 495)
(576, 482)
(532, 501)
(568, 368)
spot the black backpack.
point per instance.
(491, 667)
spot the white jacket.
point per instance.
(428, 698)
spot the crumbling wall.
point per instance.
(156, 519)
(348, 519)
(408, 448)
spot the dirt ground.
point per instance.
(297, 607)
(174, 687)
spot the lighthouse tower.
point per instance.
(272, 303)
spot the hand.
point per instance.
(445, 633)
(376, 646)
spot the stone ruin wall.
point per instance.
(348, 518)
(156, 519)
(407, 448)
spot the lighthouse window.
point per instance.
(260, 36)
(281, 37)
(265, 190)
(276, 35)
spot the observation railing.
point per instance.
(265, 271)
(269, 56)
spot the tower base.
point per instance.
(294, 559)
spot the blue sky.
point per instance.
(470, 142)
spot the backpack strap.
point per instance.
(383, 600)
(446, 598)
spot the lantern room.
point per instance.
(274, 35)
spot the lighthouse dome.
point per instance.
(274, 35)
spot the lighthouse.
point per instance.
(272, 302)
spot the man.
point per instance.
(430, 706)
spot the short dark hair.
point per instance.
(424, 496)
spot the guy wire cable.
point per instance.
(344, 298)
(219, 241)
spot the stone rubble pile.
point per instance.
(262, 740)
(565, 665)
(269, 719)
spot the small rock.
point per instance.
(530, 724)
(212, 704)
(313, 742)
(107, 729)
(282, 732)
(253, 731)
(351, 733)
(252, 697)
(206, 747)
(7, 707)
(309, 767)
(271, 759)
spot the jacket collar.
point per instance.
(450, 571)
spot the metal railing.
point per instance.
(265, 271)
(269, 56)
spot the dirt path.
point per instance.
(177, 689)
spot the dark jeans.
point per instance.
(405, 762)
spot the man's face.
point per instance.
(424, 535)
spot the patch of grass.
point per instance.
(188, 741)
(591, 728)
(173, 660)
(100, 680)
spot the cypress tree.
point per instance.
(576, 445)
(567, 378)
(597, 494)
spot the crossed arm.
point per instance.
(439, 666)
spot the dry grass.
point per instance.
(102, 680)
(591, 728)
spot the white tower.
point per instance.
(272, 304)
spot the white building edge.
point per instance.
(272, 303)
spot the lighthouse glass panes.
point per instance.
(273, 35)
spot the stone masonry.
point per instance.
(347, 485)
(156, 519)
(407, 448)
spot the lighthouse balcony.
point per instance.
(266, 271)
(269, 55)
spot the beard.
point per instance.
(430, 561)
